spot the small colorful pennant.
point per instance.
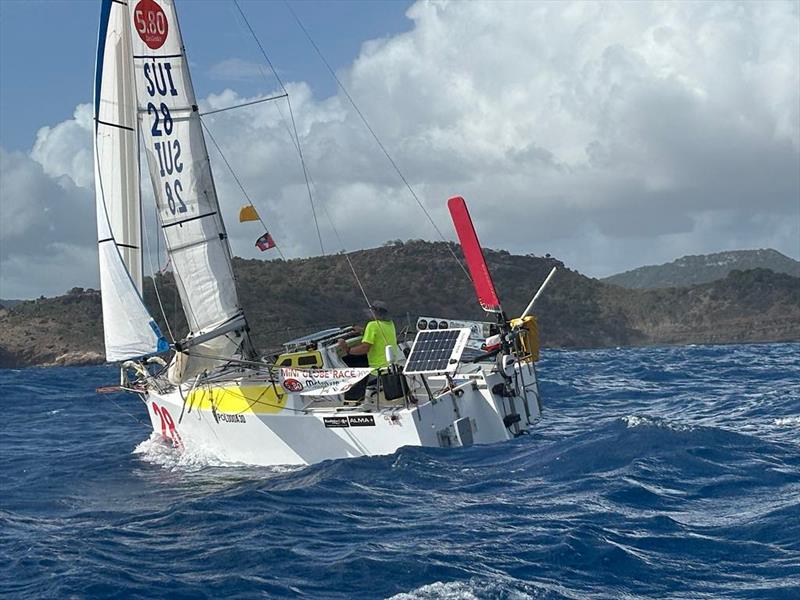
(248, 213)
(265, 242)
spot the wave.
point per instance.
(665, 472)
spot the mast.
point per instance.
(129, 330)
(180, 171)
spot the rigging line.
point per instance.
(236, 178)
(293, 135)
(294, 125)
(377, 140)
(153, 277)
(146, 232)
(219, 110)
(305, 175)
(231, 359)
(296, 141)
(324, 206)
(254, 402)
(258, 42)
(132, 416)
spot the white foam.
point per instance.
(632, 421)
(635, 421)
(462, 590)
(788, 421)
(157, 451)
(452, 590)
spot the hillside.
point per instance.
(286, 299)
(6, 303)
(692, 270)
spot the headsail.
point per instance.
(186, 200)
(129, 329)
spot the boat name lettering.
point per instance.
(335, 421)
(231, 418)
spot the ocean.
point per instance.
(654, 473)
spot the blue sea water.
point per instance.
(655, 473)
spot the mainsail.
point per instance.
(129, 329)
(186, 200)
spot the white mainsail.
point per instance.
(129, 329)
(186, 200)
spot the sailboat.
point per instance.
(457, 383)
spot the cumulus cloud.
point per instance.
(47, 232)
(66, 149)
(608, 134)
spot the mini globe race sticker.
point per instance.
(321, 382)
(151, 23)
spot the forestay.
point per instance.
(129, 329)
(186, 200)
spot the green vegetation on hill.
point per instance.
(286, 299)
(692, 270)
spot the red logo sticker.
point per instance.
(151, 23)
(293, 385)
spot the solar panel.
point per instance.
(436, 351)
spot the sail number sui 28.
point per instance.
(161, 85)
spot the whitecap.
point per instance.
(452, 590)
(474, 589)
(635, 421)
(632, 421)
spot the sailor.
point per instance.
(371, 351)
(378, 333)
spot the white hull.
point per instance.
(298, 433)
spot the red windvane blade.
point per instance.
(473, 253)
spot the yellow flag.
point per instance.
(248, 213)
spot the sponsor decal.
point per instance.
(335, 421)
(292, 385)
(321, 382)
(227, 418)
(151, 23)
(351, 421)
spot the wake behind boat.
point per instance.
(454, 383)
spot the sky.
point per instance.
(610, 135)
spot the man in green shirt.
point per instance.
(378, 334)
(371, 351)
